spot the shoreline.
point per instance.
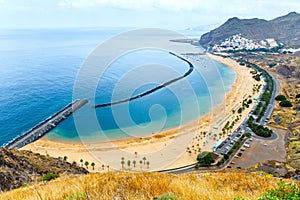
(159, 141)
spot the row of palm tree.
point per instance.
(134, 162)
(86, 163)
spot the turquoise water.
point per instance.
(39, 67)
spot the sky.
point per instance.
(178, 14)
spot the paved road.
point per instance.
(272, 103)
(243, 128)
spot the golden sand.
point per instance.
(104, 153)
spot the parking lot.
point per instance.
(261, 150)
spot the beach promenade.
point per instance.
(45, 126)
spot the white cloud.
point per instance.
(136, 4)
(78, 3)
(134, 13)
(219, 7)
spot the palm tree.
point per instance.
(81, 162)
(93, 165)
(135, 153)
(86, 164)
(107, 167)
(141, 162)
(103, 167)
(134, 163)
(128, 163)
(65, 158)
(148, 163)
(122, 162)
(144, 159)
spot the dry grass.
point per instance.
(207, 185)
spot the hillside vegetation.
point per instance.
(21, 167)
(142, 186)
(287, 74)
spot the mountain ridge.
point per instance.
(284, 29)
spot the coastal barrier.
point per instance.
(45, 126)
(191, 69)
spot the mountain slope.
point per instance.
(284, 29)
(142, 186)
(20, 167)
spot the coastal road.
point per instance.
(272, 103)
(243, 128)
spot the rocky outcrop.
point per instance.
(21, 167)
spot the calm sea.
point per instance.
(38, 69)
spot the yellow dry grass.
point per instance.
(142, 186)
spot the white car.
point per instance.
(247, 145)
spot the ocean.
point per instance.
(39, 67)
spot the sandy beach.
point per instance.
(172, 148)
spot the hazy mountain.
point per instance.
(285, 29)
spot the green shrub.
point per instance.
(248, 134)
(49, 176)
(285, 103)
(77, 196)
(205, 158)
(166, 197)
(280, 97)
(259, 129)
(298, 96)
(240, 110)
(283, 192)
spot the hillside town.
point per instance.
(238, 42)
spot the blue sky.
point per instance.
(136, 13)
